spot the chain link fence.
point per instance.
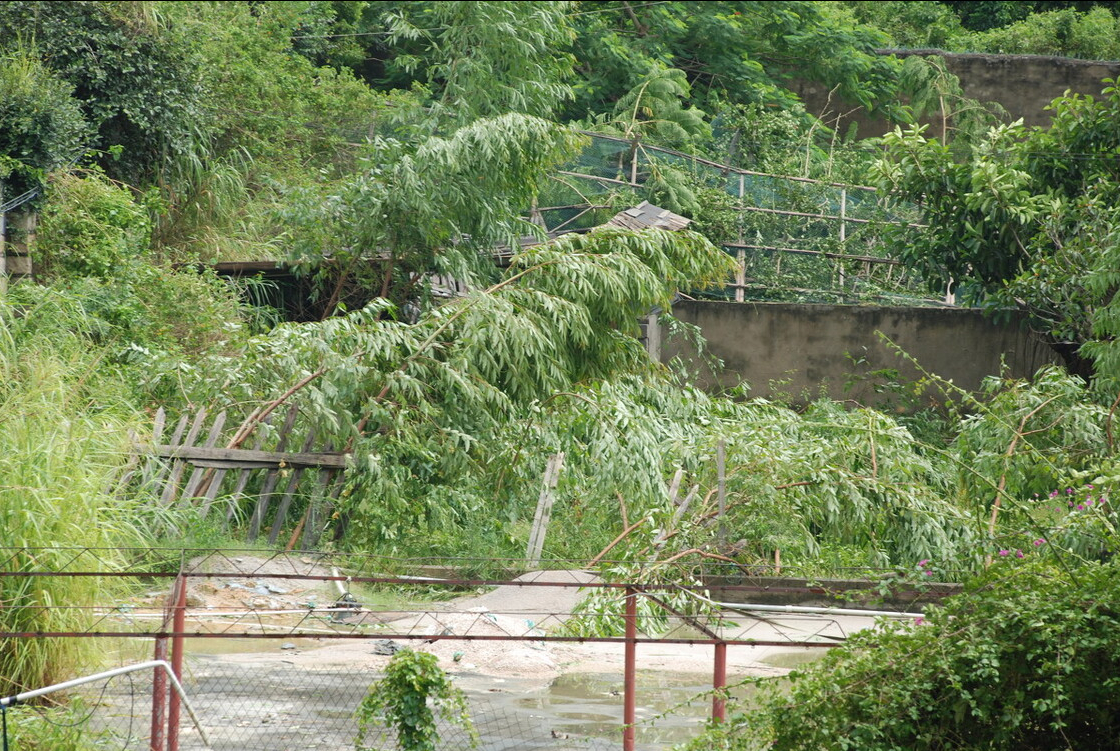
(247, 704)
(796, 239)
(277, 651)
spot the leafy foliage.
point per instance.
(485, 59)
(1068, 32)
(1020, 222)
(136, 88)
(41, 124)
(1023, 659)
(409, 698)
(935, 92)
(1032, 435)
(440, 207)
(93, 245)
(89, 227)
(922, 24)
(734, 52)
(63, 437)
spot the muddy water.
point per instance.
(584, 710)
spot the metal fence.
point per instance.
(796, 238)
(277, 651)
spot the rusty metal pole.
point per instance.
(159, 680)
(180, 621)
(719, 683)
(629, 699)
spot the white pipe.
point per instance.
(747, 607)
(10, 701)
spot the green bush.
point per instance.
(41, 124)
(89, 226)
(1094, 35)
(1027, 658)
(408, 700)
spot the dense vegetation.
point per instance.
(373, 145)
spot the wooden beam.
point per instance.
(245, 457)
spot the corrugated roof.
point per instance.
(646, 215)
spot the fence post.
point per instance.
(159, 680)
(741, 255)
(719, 683)
(180, 593)
(843, 232)
(629, 676)
(721, 480)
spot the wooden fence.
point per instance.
(193, 467)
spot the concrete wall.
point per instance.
(1023, 84)
(809, 345)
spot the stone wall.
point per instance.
(17, 236)
(1023, 84)
(800, 350)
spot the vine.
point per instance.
(409, 698)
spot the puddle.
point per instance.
(671, 707)
(137, 650)
(794, 659)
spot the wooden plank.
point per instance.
(316, 507)
(270, 479)
(211, 492)
(191, 488)
(157, 473)
(233, 464)
(544, 508)
(278, 459)
(243, 477)
(177, 467)
(286, 500)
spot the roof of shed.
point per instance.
(645, 215)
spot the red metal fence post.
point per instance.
(630, 670)
(159, 680)
(176, 661)
(719, 683)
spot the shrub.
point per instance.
(41, 125)
(1026, 659)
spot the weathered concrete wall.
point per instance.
(807, 346)
(1023, 84)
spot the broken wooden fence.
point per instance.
(217, 472)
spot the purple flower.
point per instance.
(1053, 494)
(1090, 503)
(1090, 487)
(1004, 553)
(922, 563)
(928, 573)
(1080, 507)
(1039, 541)
(1018, 553)
(1069, 491)
(919, 621)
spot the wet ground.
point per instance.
(278, 705)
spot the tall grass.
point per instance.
(63, 439)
